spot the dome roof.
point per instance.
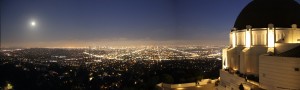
(260, 13)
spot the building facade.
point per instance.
(264, 48)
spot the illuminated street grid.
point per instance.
(108, 67)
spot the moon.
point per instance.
(33, 23)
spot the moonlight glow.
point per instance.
(33, 23)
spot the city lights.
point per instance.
(112, 65)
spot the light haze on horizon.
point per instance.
(62, 22)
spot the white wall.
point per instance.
(273, 71)
(295, 35)
(290, 35)
(231, 38)
(249, 59)
(282, 35)
(229, 81)
(240, 38)
(224, 58)
(279, 72)
(233, 59)
(259, 37)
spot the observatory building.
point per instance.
(264, 48)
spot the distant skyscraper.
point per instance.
(264, 51)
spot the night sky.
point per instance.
(94, 20)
